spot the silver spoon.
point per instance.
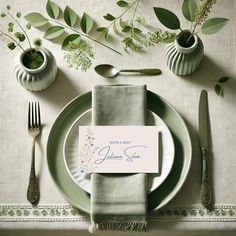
(110, 71)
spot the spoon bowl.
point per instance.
(106, 70)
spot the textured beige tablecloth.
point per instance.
(184, 213)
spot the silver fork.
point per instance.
(34, 129)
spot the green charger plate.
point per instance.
(156, 199)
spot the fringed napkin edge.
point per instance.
(138, 225)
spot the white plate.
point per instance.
(71, 152)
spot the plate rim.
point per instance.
(170, 196)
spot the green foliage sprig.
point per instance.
(202, 12)
(16, 37)
(159, 36)
(72, 41)
(196, 14)
(219, 90)
(79, 54)
(17, 34)
(131, 28)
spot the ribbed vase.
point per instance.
(184, 60)
(36, 79)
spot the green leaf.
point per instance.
(127, 28)
(126, 40)
(137, 31)
(223, 79)
(10, 24)
(11, 45)
(101, 29)
(52, 9)
(20, 36)
(167, 18)
(18, 14)
(10, 29)
(106, 35)
(219, 90)
(70, 38)
(70, 16)
(137, 38)
(37, 43)
(28, 26)
(86, 23)
(115, 28)
(189, 9)
(213, 25)
(122, 3)
(3, 14)
(123, 24)
(109, 17)
(36, 19)
(54, 32)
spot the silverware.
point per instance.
(110, 71)
(205, 195)
(34, 128)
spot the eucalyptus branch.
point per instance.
(117, 18)
(9, 36)
(21, 28)
(85, 35)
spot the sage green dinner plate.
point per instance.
(157, 198)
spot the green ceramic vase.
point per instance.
(36, 79)
(184, 59)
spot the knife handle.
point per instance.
(205, 195)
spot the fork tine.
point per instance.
(29, 119)
(39, 117)
(32, 115)
(35, 115)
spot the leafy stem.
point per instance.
(21, 29)
(118, 17)
(219, 88)
(9, 36)
(135, 10)
(85, 35)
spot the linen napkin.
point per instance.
(119, 201)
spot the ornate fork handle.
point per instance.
(205, 195)
(33, 187)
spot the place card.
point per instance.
(118, 149)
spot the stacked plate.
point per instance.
(63, 150)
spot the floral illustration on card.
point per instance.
(87, 153)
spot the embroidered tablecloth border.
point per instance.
(67, 213)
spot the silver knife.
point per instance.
(203, 119)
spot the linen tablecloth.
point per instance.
(184, 214)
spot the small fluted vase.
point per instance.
(184, 60)
(36, 79)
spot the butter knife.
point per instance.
(203, 119)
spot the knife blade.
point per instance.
(203, 122)
(203, 119)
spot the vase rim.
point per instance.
(37, 69)
(186, 49)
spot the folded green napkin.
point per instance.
(119, 201)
